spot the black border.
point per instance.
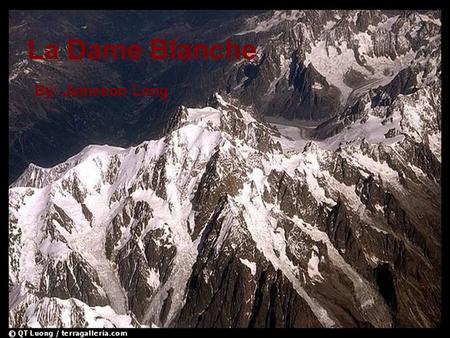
(223, 5)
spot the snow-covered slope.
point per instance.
(223, 222)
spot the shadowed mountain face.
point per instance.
(47, 131)
(329, 216)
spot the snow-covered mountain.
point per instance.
(312, 64)
(226, 222)
(229, 221)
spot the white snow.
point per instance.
(250, 265)
(153, 278)
(317, 86)
(48, 311)
(257, 176)
(334, 60)
(313, 266)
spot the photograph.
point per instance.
(223, 169)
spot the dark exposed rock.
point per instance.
(73, 278)
(166, 306)
(61, 218)
(404, 83)
(385, 283)
(276, 304)
(87, 213)
(159, 253)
